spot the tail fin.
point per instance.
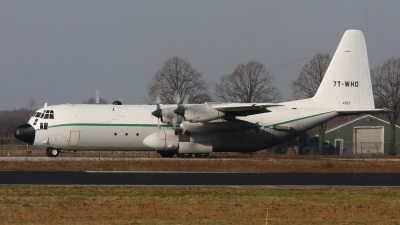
(347, 82)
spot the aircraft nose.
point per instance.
(25, 133)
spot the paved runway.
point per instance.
(197, 179)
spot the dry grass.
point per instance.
(164, 205)
(212, 165)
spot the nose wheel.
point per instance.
(52, 152)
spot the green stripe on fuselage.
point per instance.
(109, 125)
(297, 119)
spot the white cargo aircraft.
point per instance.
(200, 129)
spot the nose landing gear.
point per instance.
(52, 152)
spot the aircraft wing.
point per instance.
(245, 109)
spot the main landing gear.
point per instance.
(183, 155)
(167, 154)
(202, 155)
(52, 152)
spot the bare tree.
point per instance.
(9, 121)
(310, 77)
(248, 83)
(307, 83)
(92, 100)
(32, 107)
(386, 85)
(178, 74)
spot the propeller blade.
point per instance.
(174, 118)
(182, 126)
(185, 100)
(158, 99)
(176, 96)
(158, 123)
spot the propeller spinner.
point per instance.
(157, 113)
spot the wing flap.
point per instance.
(245, 109)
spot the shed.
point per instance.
(364, 135)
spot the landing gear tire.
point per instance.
(52, 152)
(167, 154)
(202, 155)
(185, 155)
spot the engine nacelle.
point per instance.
(163, 140)
(168, 114)
(219, 126)
(201, 113)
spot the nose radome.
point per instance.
(25, 133)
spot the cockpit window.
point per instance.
(38, 114)
(47, 114)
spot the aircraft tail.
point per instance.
(347, 81)
(346, 86)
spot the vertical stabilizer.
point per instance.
(347, 82)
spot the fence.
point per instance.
(365, 148)
(29, 150)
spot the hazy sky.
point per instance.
(62, 51)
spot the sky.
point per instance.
(63, 51)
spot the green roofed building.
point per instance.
(364, 135)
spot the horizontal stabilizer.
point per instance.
(366, 111)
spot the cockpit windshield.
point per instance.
(46, 114)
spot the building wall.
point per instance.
(346, 133)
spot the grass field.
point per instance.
(191, 205)
(211, 165)
(167, 205)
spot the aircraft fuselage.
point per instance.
(124, 127)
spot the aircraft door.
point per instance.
(74, 137)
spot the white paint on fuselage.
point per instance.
(124, 127)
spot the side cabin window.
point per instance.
(44, 126)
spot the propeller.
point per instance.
(180, 110)
(158, 113)
(173, 116)
(181, 107)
